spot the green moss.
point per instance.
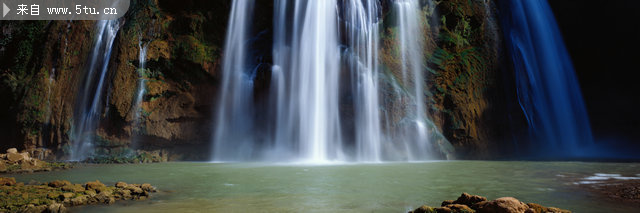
(194, 50)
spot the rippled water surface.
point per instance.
(388, 187)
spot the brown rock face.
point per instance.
(503, 205)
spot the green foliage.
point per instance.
(194, 50)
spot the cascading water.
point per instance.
(137, 106)
(306, 71)
(548, 90)
(233, 134)
(90, 102)
(410, 37)
(362, 30)
(325, 56)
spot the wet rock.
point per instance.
(7, 181)
(135, 189)
(56, 208)
(469, 200)
(55, 195)
(459, 208)
(537, 208)
(424, 209)
(59, 183)
(105, 197)
(31, 208)
(95, 185)
(147, 187)
(73, 188)
(80, 200)
(67, 195)
(121, 185)
(503, 205)
(446, 202)
(481, 205)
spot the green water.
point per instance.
(389, 187)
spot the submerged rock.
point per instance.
(467, 203)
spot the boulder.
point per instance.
(502, 205)
(56, 208)
(14, 157)
(80, 200)
(3, 166)
(135, 189)
(95, 185)
(469, 200)
(59, 183)
(424, 209)
(147, 187)
(105, 197)
(73, 188)
(537, 208)
(67, 195)
(121, 185)
(12, 151)
(459, 208)
(26, 155)
(35, 209)
(4, 181)
(446, 202)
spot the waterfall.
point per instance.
(362, 31)
(89, 101)
(137, 106)
(325, 60)
(233, 134)
(410, 36)
(306, 79)
(548, 91)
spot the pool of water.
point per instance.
(387, 187)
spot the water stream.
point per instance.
(89, 106)
(547, 88)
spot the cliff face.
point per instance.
(44, 61)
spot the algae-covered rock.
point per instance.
(51, 197)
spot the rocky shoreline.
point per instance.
(467, 203)
(57, 195)
(23, 162)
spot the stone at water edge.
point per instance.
(56, 208)
(537, 208)
(95, 185)
(3, 166)
(502, 205)
(121, 185)
(59, 183)
(423, 209)
(468, 199)
(455, 208)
